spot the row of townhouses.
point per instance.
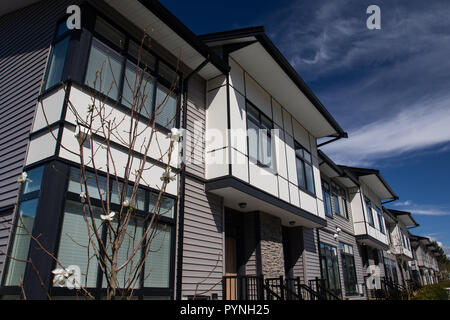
(275, 218)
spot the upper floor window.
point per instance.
(327, 199)
(369, 213)
(57, 59)
(259, 136)
(305, 174)
(121, 69)
(380, 220)
(336, 202)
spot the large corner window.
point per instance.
(259, 137)
(75, 249)
(327, 199)
(380, 220)
(123, 71)
(57, 59)
(349, 269)
(305, 175)
(21, 237)
(369, 213)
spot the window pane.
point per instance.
(253, 131)
(298, 150)
(146, 58)
(252, 113)
(56, 63)
(265, 156)
(22, 239)
(140, 87)
(109, 32)
(327, 203)
(308, 157)
(127, 276)
(166, 107)
(337, 209)
(301, 174)
(167, 206)
(75, 249)
(34, 180)
(168, 73)
(92, 184)
(266, 123)
(369, 213)
(157, 263)
(310, 179)
(104, 70)
(139, 201)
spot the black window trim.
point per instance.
(304, 162)
(347, 293)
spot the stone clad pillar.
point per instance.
(272, 257)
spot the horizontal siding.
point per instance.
(5, 231)
(26, 37)
(203, 241)
(311, 255)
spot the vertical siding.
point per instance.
(26, 36)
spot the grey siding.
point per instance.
(5, 231)
(203, 247)
(26, 38)
(311, 261)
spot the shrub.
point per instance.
(433, 292)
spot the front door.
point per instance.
(230, 268)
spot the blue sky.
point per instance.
(389, 88)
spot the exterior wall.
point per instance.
(311, 261)
(26, 37)
(281, 181)
(272, 257)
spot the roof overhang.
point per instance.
(375, 181)
(332, 170)
(371, 242)
(405, 217)
(257, 54)
(235, 192)
(168, 31)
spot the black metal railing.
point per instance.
(258, 288)
(319, 286)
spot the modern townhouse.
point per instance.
(340, 254)
(425, 264)
(258, 212)
(397, 259)
(368, 220)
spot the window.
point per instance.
(75, 249)
(57, 59)
(349, 269)
(120, 69)
(380, 220)
(259, 136)
(369, 213)
(330, 268)
(336, 202)
(344, 203)
(29, 201)
(327, 199)
(305, 175)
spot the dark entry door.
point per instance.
(230, 268)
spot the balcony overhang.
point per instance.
(260, 58)
(370, 241)
(235, 192)
(404, 217)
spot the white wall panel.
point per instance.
(42, 147)
(263, 179)
(301, 135)
(239, 165)
(217, 163)
(50, 108)
(216, 120)
(295, 197)
(277, 113)
(291, 160)
(258, 96)
(283, 186)
(287, 120)
(280, 152)
(308, 202)
(238, 121)
(237, 77)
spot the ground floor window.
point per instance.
(349, 269)
(330, 268)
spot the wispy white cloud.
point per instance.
(423, 210)
(417, 127)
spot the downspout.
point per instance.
(185, 87)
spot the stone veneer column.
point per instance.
(272, 257)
